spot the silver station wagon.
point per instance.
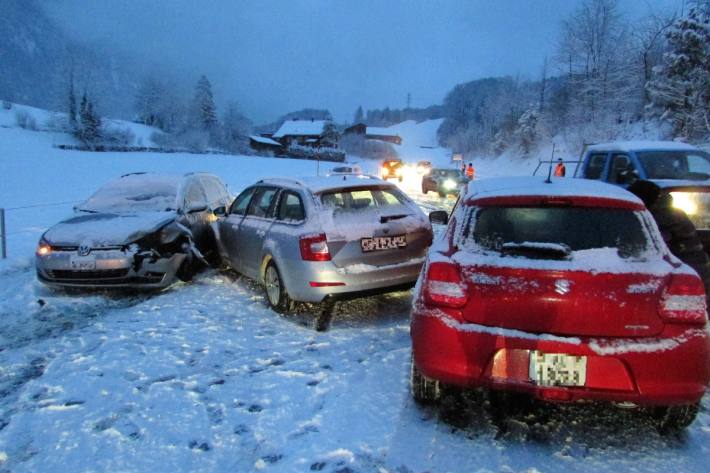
(321, 239)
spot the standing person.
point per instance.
(676, 228)
(470, 172)
(463, 167)
(560, 168)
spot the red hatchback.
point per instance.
(565, 291)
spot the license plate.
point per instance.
(383, 243)
(557, 369)
(84, 263)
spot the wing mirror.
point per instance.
(220, 211)
(439, 217)
(196, 207)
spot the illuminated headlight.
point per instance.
(398, 172)
(449, 184)
(685, 202)
(384, 172)
(44, 248)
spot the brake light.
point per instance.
(443, 286)
(683, 301)
(314, 248)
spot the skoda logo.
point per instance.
(562, 286)
(84, 249)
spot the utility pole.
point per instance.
(409, 100)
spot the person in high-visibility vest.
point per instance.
(560, 169)
(470, 172)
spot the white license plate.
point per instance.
(82, 263)
(383, 243)
(557, 369)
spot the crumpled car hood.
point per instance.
(105, 229)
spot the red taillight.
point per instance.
(443, 286)
(314, 248)
(683, 301)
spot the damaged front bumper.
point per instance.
(108, 268)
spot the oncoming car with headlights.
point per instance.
(444, 181)
(392, 169)
(678, 168)
(138, 231)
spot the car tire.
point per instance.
(674, 419)
(275, 291)
(424, 390)
(401, 179)
(425, 191)
(187, 269)
(442, 194)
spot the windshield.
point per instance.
(575, 228)
(451, 173)
(130, 194)
(693, 165)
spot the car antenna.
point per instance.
(549, 170)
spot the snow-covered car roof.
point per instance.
(641, 146)
(318, 184)
(536, 186)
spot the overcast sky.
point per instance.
(275, 56)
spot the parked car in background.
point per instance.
(138, 231)
(563, 291)
(444, 181)
(392, 169)
(320, 239)
(423, 167)
(681, 169)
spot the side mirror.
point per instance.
(220, 211)
(439, 217)
(196, 207)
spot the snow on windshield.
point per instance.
(135, 193)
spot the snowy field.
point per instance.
(204, 377)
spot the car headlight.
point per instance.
(43, 248)
(685, 202)
(398, 172)
(449, 184)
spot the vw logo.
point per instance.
(562, 286)
(84, 249)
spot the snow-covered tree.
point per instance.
(204, 112)
(330, 136)
(89, 122)
(680, 91)
(235, 130)
(72, 106)
(359, 115)
(527, 131)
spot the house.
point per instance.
(264, 143)
(374, 133)
(301, 132)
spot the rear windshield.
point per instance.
(693, 165)
(573, 227)
(356, 199)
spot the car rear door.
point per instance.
(374, 226)
(228, 235)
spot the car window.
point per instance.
(621, 169)
(290, 207)
(194, 194)
(261, 203)
(675, 164)
(576, 227)
(362, 198)
(239, 207)
(595, 166)
(215, 191)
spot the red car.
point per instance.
(564, 291)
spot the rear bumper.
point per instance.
(667, 370)
(367, 280)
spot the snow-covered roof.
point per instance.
(379, 131)
(536, 186)
(640, 145)
(264, 140)
(317, 184)
(300, 128)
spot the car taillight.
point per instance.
(314, 248)
(443, 286)
(683, 301)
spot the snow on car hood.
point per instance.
(105, 229)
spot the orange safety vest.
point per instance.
(470, 172)
(560, 170)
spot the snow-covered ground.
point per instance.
(204, 377)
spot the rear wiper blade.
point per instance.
(387, 218)
(537, 250)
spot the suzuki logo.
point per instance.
(562, 286)
(84, 250)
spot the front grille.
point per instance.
(95, 275)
